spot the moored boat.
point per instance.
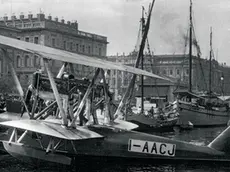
(203, 112)
(156, 120)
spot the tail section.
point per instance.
(222, 141)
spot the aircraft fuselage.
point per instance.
(130, 144)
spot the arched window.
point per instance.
(99, 51)
(36, 61)
(27, 61)
(89, 50)
(19, 61)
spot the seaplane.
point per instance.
(69, 135)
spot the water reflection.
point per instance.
(200, 136)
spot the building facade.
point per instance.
(52, 33)
(176, 68)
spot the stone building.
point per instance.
(175, 67)
(52, 33)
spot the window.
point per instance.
(113, 82)
(83, 48)
(178, 72)
(89, 51)
(171, 72)
(77, 49)
(27, 61)
(27, 39)
(64, 45)
(19, 61)
(53, 42)
(36, 61)
(99, 51)
(36, 40)
(164, 72)
(71, 46)
(27, 79)
(187, 72)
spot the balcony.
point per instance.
(89, 35)
(28, 25)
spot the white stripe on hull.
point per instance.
(202, 117)
(142, 119)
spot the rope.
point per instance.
(195, 42)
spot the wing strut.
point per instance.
(107, 99)
(61, 71)
(16, 80)
(85, 97)
(56, 94)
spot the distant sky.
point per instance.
(119, 21)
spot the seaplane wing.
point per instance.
(56, 54)
(52, 129)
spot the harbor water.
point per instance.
(199, 136)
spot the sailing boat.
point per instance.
(165, 119)
(201, 110)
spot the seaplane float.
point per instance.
(68, 134)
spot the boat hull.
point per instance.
(146, 123)
(201, 117)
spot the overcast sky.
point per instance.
(119, 21)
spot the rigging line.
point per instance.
(155, 81)
(150, 56)
(183, 62)
(152, 68)
(138, 39)
(142, 24)
(90, 72)
(198, 50)
(199, 57)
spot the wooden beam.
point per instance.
(56, 94)
(58, 144)
(16, 135)
(50, 145)
(93, 109)
(34, 105)
(107, 101)
(74, 149)
(84, 98)
(22, 136)
(39, 141)
(12, 135)
(61, 71)
(44, 110)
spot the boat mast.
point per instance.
(142, 62)
(190, 49)
(210, 63)
(130, 88)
